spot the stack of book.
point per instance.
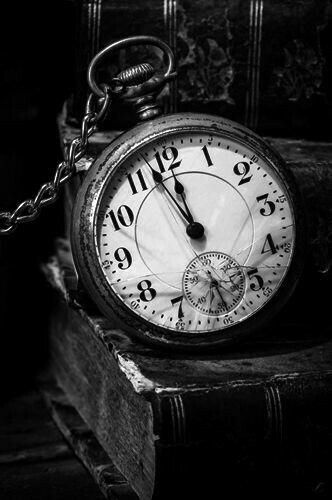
(255, 420)
(181, 426)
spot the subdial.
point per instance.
(213, 283)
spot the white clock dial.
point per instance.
(195, 232)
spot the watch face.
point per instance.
(194, 234)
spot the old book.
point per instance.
(264, 63)
(251, 420)
(84, 444)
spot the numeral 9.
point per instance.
(123, 256)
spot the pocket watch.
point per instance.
(187, 231)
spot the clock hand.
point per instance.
(179, 189)
(195, 230)
(231, 293)
(183, 236)
(158, 179)
(186, 241)
(211, 294)
(216, 287)
(218, 284)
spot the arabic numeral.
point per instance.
(267, 291)
(270, 205)
(147, 292)
(179, 300)
(287, 247)
(269, 245)
(180, 325)
(252, 274)
(207, 156)
(228, 321)
(242, 168)
(169, 154)
(123, 256)
(141, 182)
(123, 216)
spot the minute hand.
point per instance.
(179, 189)
(157, 177)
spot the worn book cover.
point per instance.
(233, 420)
(264, 63)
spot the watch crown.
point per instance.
(136, 75)
(140, 85)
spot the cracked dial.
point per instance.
(213, 283)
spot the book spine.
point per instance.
(264, 63)
(88, 373)
(101, 22)
(271, 436)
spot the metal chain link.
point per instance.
(28, 210)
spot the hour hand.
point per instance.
(194, 229)
(179, 189)
(158, 179)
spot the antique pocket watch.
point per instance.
(187, 230)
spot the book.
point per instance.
(83, 442)
(255, 419)
(264, 63)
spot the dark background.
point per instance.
(36, 73)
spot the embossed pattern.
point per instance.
(263, 63)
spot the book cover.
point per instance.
(264, 63)
(176, 425)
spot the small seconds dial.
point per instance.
(213, 283)
(195, 232)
